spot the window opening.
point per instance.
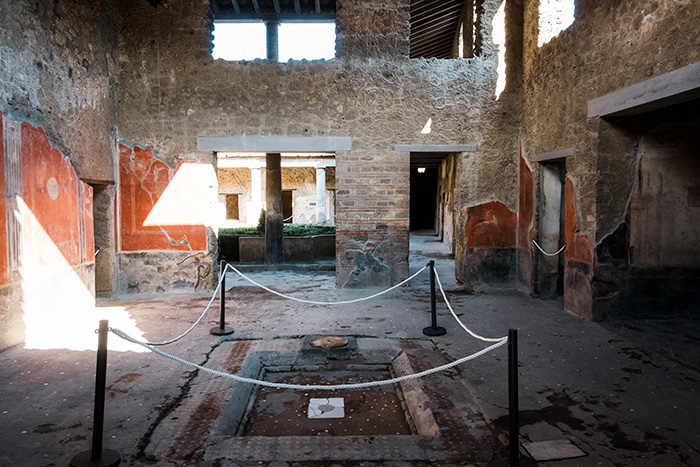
(237, 41)
(232, 212)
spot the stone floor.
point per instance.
(626, 394)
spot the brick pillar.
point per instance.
(274, 220)
(372, 217)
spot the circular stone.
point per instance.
(328, 342)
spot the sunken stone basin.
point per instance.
(432, 419)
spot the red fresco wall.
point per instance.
(50, 187)
(3, 227)
(578, 246)
(142, 181)
(490, 225)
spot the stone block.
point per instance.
(251, 249)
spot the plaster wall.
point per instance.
(165, 214)
(301, 180)
(665, 206)
(56, 91)
(447, 182)
(643, 40)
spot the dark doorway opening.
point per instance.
(424, 185)
(288, 206)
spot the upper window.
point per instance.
(279, 30)
(555, 16)
(294, 41)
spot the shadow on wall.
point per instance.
(490, 237)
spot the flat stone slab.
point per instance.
(338, 353)
(328, 342)
(332, 407)
(556, 449)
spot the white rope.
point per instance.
(342, 302)
(218, 286)
(548, 254)
(476, 336)
(304, 387)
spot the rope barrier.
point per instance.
(229, 266)
(454, 315)
(312, 302)
(544, 252)
(304, 387)
(195, 323)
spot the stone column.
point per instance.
(274, 220)
(272, 28)
(256, 202)
(320, 195)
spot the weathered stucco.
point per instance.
(58, 73)
(300, 180)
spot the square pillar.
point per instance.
(274, 219)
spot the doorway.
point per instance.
(288, 206)
(103, 217)
(552, 234)
(423, 193)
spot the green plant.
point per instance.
(228, 237)
(292, 230)
(261, 221)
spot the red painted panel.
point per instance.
(578, 246)
(50, 187)
(148, 219)
(526, 199)
(490, 225)
(89, 223)
(3, 227)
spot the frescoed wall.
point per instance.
(163, 212)
(47, 250)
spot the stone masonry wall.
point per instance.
(57, 70)
(170, 91)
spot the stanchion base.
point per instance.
(505, 462)
(110, 458)
(434, 331)
(217, 331)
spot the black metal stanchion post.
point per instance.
(98, 456)
(433, 329)
(222, 330)
(513, 459)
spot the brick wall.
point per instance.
(372, 236)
